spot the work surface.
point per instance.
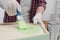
(10, 32)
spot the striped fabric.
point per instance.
(9, 18)
(35, 4)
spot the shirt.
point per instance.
(25, 5)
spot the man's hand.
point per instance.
(37, 18)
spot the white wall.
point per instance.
(50, 9)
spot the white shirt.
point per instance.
(25, 5)
(10, 6)
(2, 11)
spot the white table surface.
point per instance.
(10, 32)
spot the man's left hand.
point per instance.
(37, 18)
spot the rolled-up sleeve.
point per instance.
(42, 3)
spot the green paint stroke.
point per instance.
(21, 24)
(28, 29)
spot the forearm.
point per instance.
(40, 10)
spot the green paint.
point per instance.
(31, 29)
(28, 29)
(41, 37)
(22, 25)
